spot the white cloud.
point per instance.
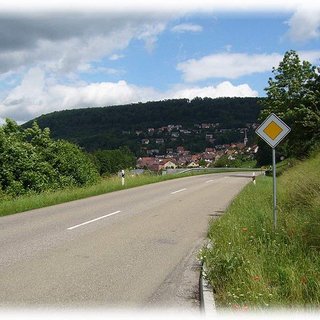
(305, 24)
(38, 95)
(149, 34)
(312, 56)
(187, 27)
(235, 65)
(227, 65)
(62, 42)
(224, 89)
(115, 57)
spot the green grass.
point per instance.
(251, 265)
(105, 185)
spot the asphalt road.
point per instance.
(131, 248)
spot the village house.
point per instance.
(182, 160)
(196, 157)
(145, 162)
(155, 164)
(240, 146)
(167, 164)
(151, 131)
(193, 164)
(152, 152)
(180, 150)
(208, 156)
(145, 141)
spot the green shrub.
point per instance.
(31, 162)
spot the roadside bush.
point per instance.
(30, 161)
(73, 165)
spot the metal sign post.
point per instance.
(273, 130)
(274, 168)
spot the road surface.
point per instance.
(131, 248)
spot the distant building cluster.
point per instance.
(158, 156)
(181, 158)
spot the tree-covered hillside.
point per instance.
(102, 128)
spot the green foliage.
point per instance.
(31, 161)
(264, 154)
(302, 198)
(112, 161)
(9, 205)
(101, 128)
(293, 94)
(239, 161)
(251, 265)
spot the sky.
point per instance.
(79, 54)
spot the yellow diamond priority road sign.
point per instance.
(273, 130)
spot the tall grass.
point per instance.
(251, 265)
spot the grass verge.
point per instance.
(105, 185)
(251, 265)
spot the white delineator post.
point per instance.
(254, 178)
(122, 177)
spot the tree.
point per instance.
(112, 161)
(293, 95)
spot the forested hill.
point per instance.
(94, 128)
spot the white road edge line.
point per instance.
(90, 221)
(209, 181)
(178, 191)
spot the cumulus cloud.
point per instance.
(304, 24)
(186, 27)
(48, 47)
(38, 94)
(224, 89)
(227, 65)
(63, 41)
(234, 65)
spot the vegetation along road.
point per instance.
(131, 248)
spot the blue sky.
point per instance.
(88, 54)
